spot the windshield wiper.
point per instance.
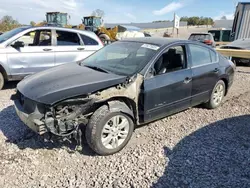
(97, 68)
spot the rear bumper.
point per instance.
(29, 119)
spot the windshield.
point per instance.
(122, 58)
(97, 22)
(11, 33)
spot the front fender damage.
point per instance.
(63, 119)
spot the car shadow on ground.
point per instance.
(10, 85)
(217, 155)
(18, 133)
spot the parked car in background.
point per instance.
(123, 85)
(205, 38)
(221, 36)
(27, 50)
(241, 44)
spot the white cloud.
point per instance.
(34, 10)
(131, 16)
(169, 8)
(229, 16)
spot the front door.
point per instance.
(70, 47)
(168, 90)
(36, 55)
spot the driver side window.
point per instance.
(173, 59)
(27, 39)
(35, 38)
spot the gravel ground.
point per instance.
(195, 148)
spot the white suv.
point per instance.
(27, 50)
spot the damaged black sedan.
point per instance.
(123, 85)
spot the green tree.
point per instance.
(32, 23)
(98, 12)
(195, 20)
(8, 23)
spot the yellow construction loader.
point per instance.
(90, 23)
(58, 19)
(95, 24)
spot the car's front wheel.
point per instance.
(108, 130)
(217, 95)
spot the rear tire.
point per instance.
(108, 131)
(1, 81)
(217, 95)
(104, 38)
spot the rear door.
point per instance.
(71, 48)
(36, 55)
(205, 72)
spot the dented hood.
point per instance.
(66, 81)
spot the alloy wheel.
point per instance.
(115, 132)
(218, 94)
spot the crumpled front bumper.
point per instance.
(30, 120)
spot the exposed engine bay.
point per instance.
(65, 118)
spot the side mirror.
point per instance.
(151, 72)
(18, 44)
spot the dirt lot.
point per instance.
(195, 148)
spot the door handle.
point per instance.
(187, 80)
(80, 48)
(47, 49)
(216, 70)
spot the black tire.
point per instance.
(211, 104)
(104, 38)
(95, 126)
(1, 81)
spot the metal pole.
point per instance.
(173, 25)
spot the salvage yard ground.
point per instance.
(195, 148)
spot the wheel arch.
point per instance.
(225, 80)
(123, 104)
(3, 71)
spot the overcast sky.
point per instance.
(117, 11)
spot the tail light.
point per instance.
(208, 42)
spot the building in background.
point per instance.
(152, 25)
(228, 24)
(241, 24)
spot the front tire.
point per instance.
(108, 131)
(217, 95)
(1, 81)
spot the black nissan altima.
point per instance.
(123, 85)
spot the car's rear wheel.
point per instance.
(108, 131)
(217, 95)
(1, 81)
(104, 38)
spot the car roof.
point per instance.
(160, 41)
(201, 33)
(60, 28)
(240, 43)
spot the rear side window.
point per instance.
(88, 41)
(200, 55)
(65, 38)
